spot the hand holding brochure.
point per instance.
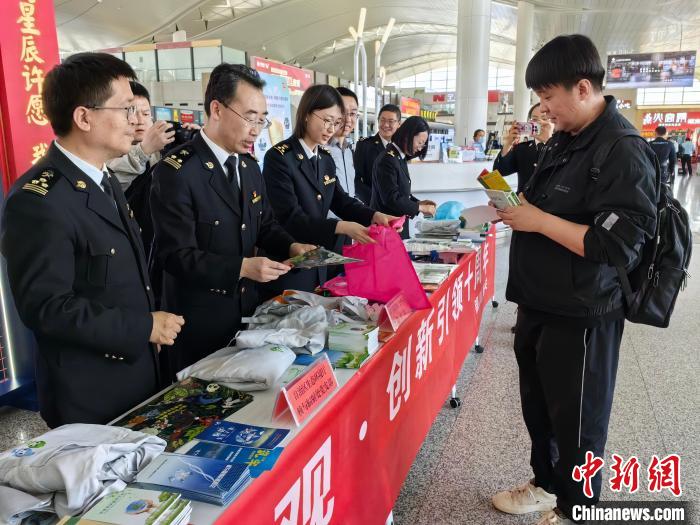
(319, 257)
(498, 190)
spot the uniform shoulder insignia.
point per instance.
(391, 153)
(361, 139)
(282, 148)
(178, 157)
(325, 150)
(42, 182)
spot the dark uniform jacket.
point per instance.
(521, 159)
(301, 196)
(620, 208)
(391, 186)
(80, 282)
(202, 234)
(666, 154)
(366, 152)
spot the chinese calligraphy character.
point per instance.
(424, 345)
(310, 492)
(443, 317)
(670, 118)
(665, 474)
(626, 475)
(35, 111)
(33, 78)
(646, 120)
(400, 379)
(658, 117)
(30, 53)
(39, 151)
(586, 472)
(681, 117)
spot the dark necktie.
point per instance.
(107, 186)
(232, 164)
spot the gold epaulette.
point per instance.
(282, 149)
(42, 184)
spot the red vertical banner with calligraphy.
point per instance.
(28, 50)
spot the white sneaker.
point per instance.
(524, 499)
(553, 517)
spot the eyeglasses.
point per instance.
(329, 123)
(389, 122)
(257, 124)
(352, 116)
(130, 110)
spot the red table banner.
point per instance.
(29, 50)
(348, 463)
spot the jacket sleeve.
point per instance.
(386, 185)
(278, 177)
(271, 236)
(507, 164)
(174, 224)
(359, 162)
(41, 269)
(672, 160)
(624, 204)
(346, 207)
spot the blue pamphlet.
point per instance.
(258, 459)
(243, 435)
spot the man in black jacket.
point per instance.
(666, 154)
(210, 213)
(367, 150)
(571, 231)
(74, 255)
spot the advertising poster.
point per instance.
(646, 70)
(279, 106)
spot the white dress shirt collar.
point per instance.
(220, 153)
(310, 153)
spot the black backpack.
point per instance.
(652, 287)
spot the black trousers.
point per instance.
(567, 381)
(686, 164)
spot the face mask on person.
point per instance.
(481, 140)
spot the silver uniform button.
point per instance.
(318, 197)
(242, 289)
(148, 288)
(216, 223)
(242, 226)
(113, 251)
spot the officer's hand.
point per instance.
(427, 208)
(262, 269)
(510, 140)
(157, 137)
(166, 326)
(524, 218)
(191, 125)
(355, 231)
(298, 248)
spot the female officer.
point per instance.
(391, 182)
(300, 176)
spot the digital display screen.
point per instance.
(648, 70)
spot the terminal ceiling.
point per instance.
(314, 33)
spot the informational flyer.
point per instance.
(279, 107)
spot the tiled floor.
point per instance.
(482, 447)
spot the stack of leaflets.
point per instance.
(231, 433)
(338, 359)
(432, 275)
(498, 190)
(198, 478)
(185, 410)
(258, 460)
(135, 506)
(357, 338)
(318, 258)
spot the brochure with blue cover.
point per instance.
(199, 478)
(258, 459)
(243, 435)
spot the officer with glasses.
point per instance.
(300, 175)
(210, 215)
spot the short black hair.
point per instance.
(83, 79)
(224, 81)
(318, 96)
(529, 113)
(660, 131)
(565, 60)
(477, 132)
(139, 90)
(403, 137)
(345, 92)
(393, 108)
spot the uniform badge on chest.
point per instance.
(328, 180)
(256, 197)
